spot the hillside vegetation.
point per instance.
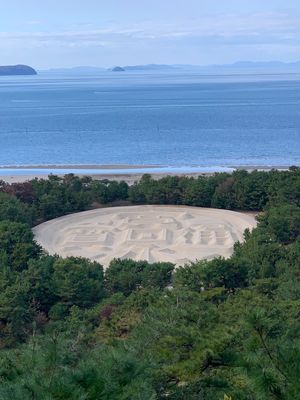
(212, 330)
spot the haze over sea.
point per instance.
(175, 119)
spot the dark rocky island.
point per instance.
(118, 69)
(17, 70)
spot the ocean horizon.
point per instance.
(176, 120)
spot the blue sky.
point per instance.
(66, 33)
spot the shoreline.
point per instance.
(128, 173)
(137, 166)
(81, 166)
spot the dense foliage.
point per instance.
(212, 330)
(43, 199)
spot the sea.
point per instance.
(181, 120)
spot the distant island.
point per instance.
(118, 69)
(17, 70)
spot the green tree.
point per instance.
(283, 223)
(78, 281)
(16, 241)
(12, 209)
(126, 276)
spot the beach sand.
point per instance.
(128, 178)
(127, 173)
(176, 234)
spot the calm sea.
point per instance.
(141, 118)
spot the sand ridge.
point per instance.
(177, 234)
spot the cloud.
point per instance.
(247, 29)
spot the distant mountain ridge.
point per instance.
(239, 67)
(149, 67)
(268, 66)
(8, 70)
(75, 70)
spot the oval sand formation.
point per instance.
(176, 234)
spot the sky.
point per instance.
(66, 33)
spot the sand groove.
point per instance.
(152, 233)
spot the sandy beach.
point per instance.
(117, 172)
(127, 173)
(128, 178)
(177, 234)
